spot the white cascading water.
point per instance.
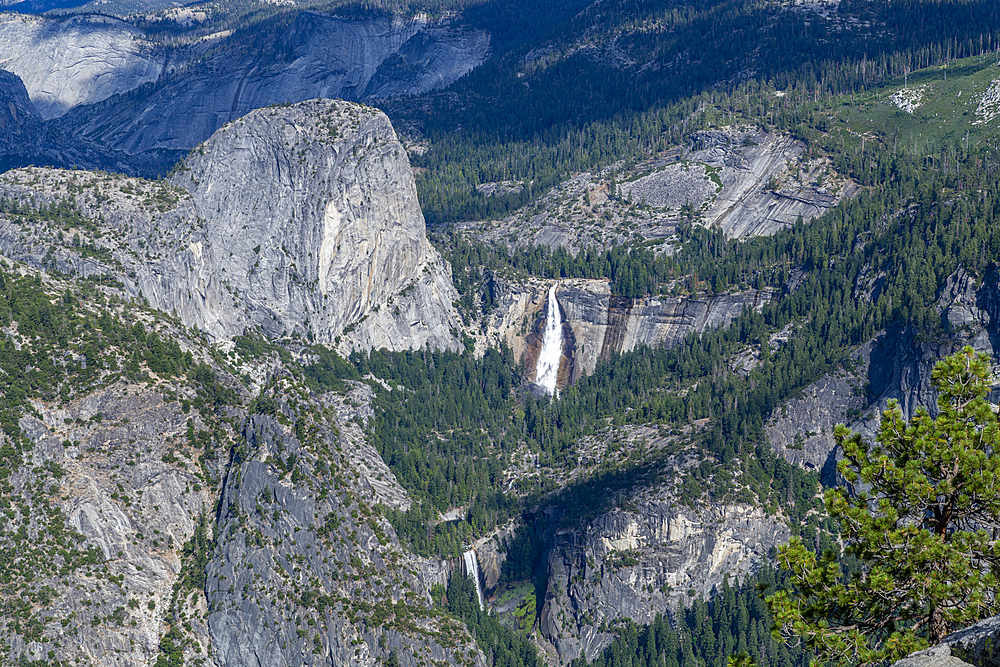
(547, 368)
(472, 569)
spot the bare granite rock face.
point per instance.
(766, 182)
(118, 92)
(68, 62)
(306, 571)
(641, 561)
(21, 129)
(168, 514)
(102, 489)
(313, 221)
(25, 138)
(324, 57)
(599, 324)
(801, 431)
(895, 365)
(303, 220)
(743, 181)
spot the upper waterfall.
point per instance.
(547, 369)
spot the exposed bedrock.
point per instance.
(302, 220)
(321, 56)
(68, 62)
(642, 561)
(896, 365)
(598, 323)
(767, 182)
(22, 131)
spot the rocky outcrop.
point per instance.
(975, 646)
(305, 570)
(101, 487)
(766, 182)
(895, 365)
(641, 561)
(26, 139)
(301, 220)
(117, 92)
(801, 430)
(600, 324)
(319, 56)
(745, 182)
(133, 509)
(85, 59)
(171, 515)
(68, 62)
(20, 124)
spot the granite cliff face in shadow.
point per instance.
(117, 90)
(321, 56)
(895, 365)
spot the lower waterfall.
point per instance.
(472, 569)
(547, 368)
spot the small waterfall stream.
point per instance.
(472, 569)
(547, 368)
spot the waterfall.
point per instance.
(547, 369)
(472, 569)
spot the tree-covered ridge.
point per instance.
(571, 105)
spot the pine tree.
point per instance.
(923, 495)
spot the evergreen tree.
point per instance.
(914, 517)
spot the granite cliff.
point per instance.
(895, 365)
(597, 323)
(301, 220)
(22, 131)
(68, 62)
(315, 56)
(642, 558)
(111, 84)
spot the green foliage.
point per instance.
(735, 621)
(634, 272)
(329, 371)
(915, 518)
(508, 648)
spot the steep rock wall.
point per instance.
(895, 365)
(326, 557)
(68, 62)
(301, 220)
(600, 324)
(313, 231)
(324, 57)
(642, 561)
(21, 129)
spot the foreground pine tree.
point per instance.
(920, 514)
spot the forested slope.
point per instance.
(313, 479)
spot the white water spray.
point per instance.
(472, 569)
(547, 369)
